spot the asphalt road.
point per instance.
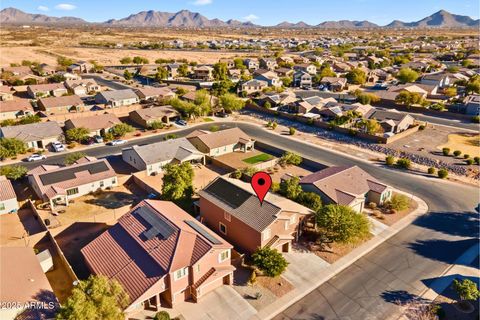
(107, 83)
(399, 268)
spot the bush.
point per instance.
(466, 156)
(121, 129)
(442, 173)
(290, 158)
(269, 261)
(466, 289)
(456, 153)
(291, 131)
(372, 205)
(422, 127)
(170, 136)
(162, 315)
(404, 163)
(274, 125)
(389, 160)
(398, 202)
(431, 170)
(13, 172)
(477, 160)
(237, 174)
(446, 151)
(156, 125)
(11, 147)
(469, 162)
(476, 119)
(310, 200)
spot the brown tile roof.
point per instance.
(125, 254)
(343, 184)
(156, 112)
(15, 105)
(46, 87)
(63, 101)
(152, 91)
(223, 137)
(6, 189)
(33, 131)
(92, 123)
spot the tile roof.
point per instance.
(92, 123)
(123, 253)
(46, 87)
(15, 105)
(343, 184)
(53, 102)
(153, 91)
(156, 112)
(222, 138)
(33, 131)
(119, 94)
(6, 189)
(166, 150)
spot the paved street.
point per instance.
(400, 267)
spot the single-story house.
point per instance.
(35, 135)
(61, 105)
(391, 121)
(8, 198)
(44, 90)
(117, 98)
(472, 104)
(334, 83)
(231, 209)
(13, 109)
(80, 67)
(97, 125)
(6, 93)
(83, 86)
(161, 256)
(60, 184)
(346, 185)
(153, 93)
(145, 117)
(221, 142)
(153, 157)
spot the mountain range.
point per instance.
(188, 19)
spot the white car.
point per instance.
(57, 146)
(116, 142)
(36, 157)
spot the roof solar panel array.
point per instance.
(195, 226)
(158, 225)
(68, 173)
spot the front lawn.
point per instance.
(262, 157)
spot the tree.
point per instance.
(290, 188)
(155, 125)
(407, 75)
(442, 173)
(162, 73)
(356, 76)
(121, 129)
(126, 60)
(372, 126)
(162, 315)
(451, 92)
(29, 119)
(220, 71)
(177, 181)
(13, 172)
(287, 81)
(466, 289)
(409, 98)
(56, 78)
(139, 60)
(183, 70)
(404, 163)
(127, 75)
(267, 105)
(367, 98)
(398, 202)
(10, 147)
(64, 62)
(389, 160)
(310, 200)
(230, 102)
(95, 298)
(77, 134)
(290, 158)
(269, 261)
(239, 63)
(71, 158)
(220, 88)
(342, 224)
(473, 87)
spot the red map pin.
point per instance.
(261, 182)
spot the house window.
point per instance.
(73, 191)
(224, 255)
(227, 216)
(2, 206)
(102, 184)
(114, 180)
(266, 234)
(180, 273)
(222, 227)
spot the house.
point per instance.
(439, 79)
(82, 87)
(58, 185)
(204, 73)
(392, 122)
(14, 109)
(153, 157)
(471, 103)
(80, 67)
(302, 79)
(251, 64)
(35, 135)
(96, 125)
(268, 63)
(229, 62)
(45, 69)
(307, 67)
(334, 83)
(278, 99)
(117, 98)
(44, 90)
(19, 71)
(61, 105)
(284, 72)
(270, 77)
(8, 198)
(6, 93)
(192, 97)
(24, 285)
(252, 86)
(231, 209)
(161, 256)
(411, 87)
(346, 185)
(221, 142)
(153, 93)
(145, 117)
(172, 69)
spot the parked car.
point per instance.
(221, 114)
(181, 122)
(36, 157)
(116, 142)
(58, 146)
(89, 141)
(98, 139)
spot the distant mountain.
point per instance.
(12, 15)
(440, 19)
(185, 18)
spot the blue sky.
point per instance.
(263, 12)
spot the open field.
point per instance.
(468, 143)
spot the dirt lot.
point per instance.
(15, 226)
(468, 143)
(279, 171)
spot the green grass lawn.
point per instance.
(207, 119)
(262, 157)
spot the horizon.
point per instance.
(265, 13)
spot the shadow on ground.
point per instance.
(446, 251)
(466, 223)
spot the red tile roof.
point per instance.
(6, 189)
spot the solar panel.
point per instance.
(159, 226)
(195, 226)
(229, 193)
(69, 172)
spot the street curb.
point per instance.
(348, 260)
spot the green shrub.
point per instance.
(155, 125)
(476, 119)
(269, 261)
(291, 131)
(162, 315)
(404, 163)
(431, 170)
(72, 157)
(466, 156)
(398, 202)
(456, 153)
(442, 173)
(446, 151)
(214, 128)
(477, 160)
(389, 160)
(13, 172)
(422, 127)
(469, 162)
